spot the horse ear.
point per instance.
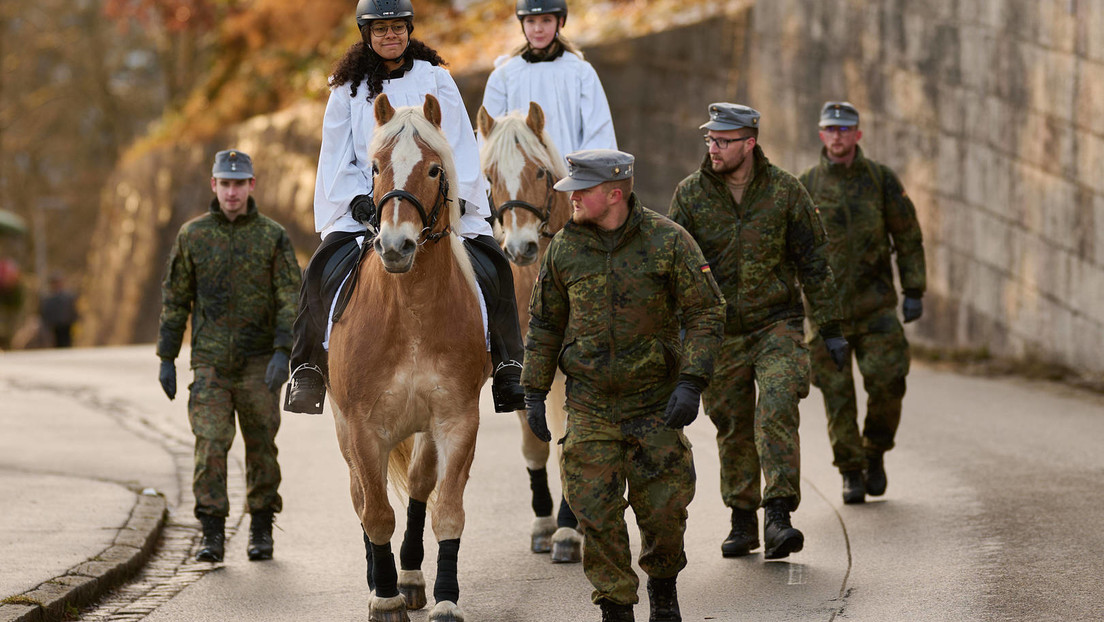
(432, 110)
(383, 109)
(535, 120)
(485, 122)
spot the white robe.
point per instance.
(345, 165)
(576, 112)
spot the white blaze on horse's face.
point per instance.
(408, 168)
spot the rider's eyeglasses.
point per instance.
(380, 30)
(838, 129)
(722, 143)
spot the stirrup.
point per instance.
(306, 390)
(506, 389)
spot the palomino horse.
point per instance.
(408, 359)
(522, 163)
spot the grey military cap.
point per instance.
(838, 113)
(725, 116)
(232, 164)
(590, 167)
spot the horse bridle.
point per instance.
(544, 215)
(428, 221)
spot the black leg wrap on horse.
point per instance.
(368, 558)
(447, 587)
(383, 571)
(542, 497)
(412, 551)
(566, 518)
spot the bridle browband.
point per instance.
(428, 221)
(544, 215)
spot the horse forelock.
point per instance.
(511, 144)
(403, 141)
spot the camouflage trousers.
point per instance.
(881, 350)
(600, 459)
(757, 439)
(213, 399)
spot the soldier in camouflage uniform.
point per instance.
(234, 271)
(614, 289)
(761, 234)
(868, 217)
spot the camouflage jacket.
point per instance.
(240, 282)
(760, 249)
(868, 216)
(611, 318)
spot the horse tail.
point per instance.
(398, 465)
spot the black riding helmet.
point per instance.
(369, 10)
(540, 7)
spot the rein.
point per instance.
(499, 212)
(429, 221)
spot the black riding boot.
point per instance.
(496, 280)
(744, 537)
(260, 536)
(334, 258)
(854, 490)
(613, 612)
(875, 474)
(663, 600)
(214, 538)
(779, 536)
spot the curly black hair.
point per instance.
(362, 63)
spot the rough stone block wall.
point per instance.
(992, 113)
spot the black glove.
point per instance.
(168, 377)
(912, 308)
(839, 350)
(363, 209)
(534, 414)
(277, 373)
(682, 408)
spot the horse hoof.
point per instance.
(446, 611)
(412, 586)
(387, 609)
(567, 546)
(541, 535)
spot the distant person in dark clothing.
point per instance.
(59, 312)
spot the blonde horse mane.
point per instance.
(512, 140)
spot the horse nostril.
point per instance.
(409, 246)
(531, 249)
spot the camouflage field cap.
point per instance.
(590, 167)
(726, 116)
(838, 113)
(232, 164)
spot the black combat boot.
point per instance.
(854, 491)
(613, 612)
(744, 537)
(779, 535)
(306, 390)
(214, 538)
(663, 600)
(260, 536)
(506, 389)
(875, 475)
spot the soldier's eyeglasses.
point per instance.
(380, 30)
(838, 129)
(722, 143)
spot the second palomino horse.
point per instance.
(407, 362)
(522, 164)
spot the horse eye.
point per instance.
(434, 170)
(540, 173)
(375, 169)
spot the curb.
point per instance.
(55, 600)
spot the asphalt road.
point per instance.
(994, 493)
